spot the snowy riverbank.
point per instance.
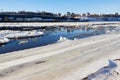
(65, 60)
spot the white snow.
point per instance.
(62, 39)
(106, 73)
(23, 41)
(67, 60)
(19, 34)
(4, 40)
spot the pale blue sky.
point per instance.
(62, 6)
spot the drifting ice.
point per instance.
(4, 40)
(20, 34)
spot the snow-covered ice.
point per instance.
(20, 34)
(62, 39)
(23, 41)
(4, 40)
(106, 73)
(67, 60)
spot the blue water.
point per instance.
(51, 36)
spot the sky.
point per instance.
(62, 6)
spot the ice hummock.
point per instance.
(62, 39)
(106, 73)
(4, 40)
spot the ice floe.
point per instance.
(4, 40)
(20, 34)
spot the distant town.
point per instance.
(25, 16)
